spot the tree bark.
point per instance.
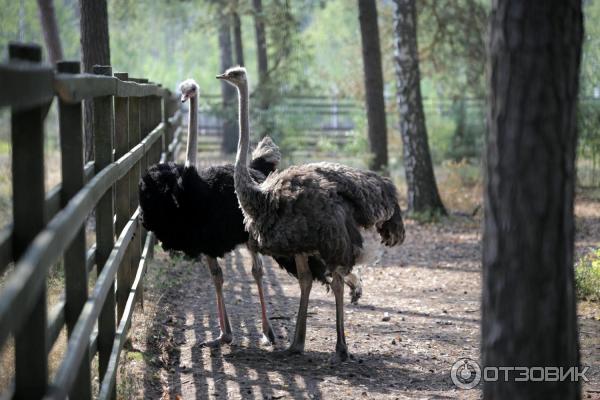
(371, 52)
(95, 50)
(238, 43)
(423, 195)
(50, 28)
(528, 311)
(261, 42)
(228, 95)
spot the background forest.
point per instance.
(312, 90)
(313, 48)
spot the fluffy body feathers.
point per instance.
(196, 211)
(319, 209)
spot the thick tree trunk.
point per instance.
(423, 195)
(528, 310)
(95, 50)
(228, 95)
(369, 29)
(50, 28)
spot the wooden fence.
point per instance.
(135, 123)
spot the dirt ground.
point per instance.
(418, 315)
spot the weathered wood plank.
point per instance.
(27, 135)
(122, 195)
(131, 89)
(79, 342)
(103, 156)
(135, 176)
(25, 282)
(25, 85)
(75, 88)
(73, 179)
(108, 381)
(90, 258)
(52, 207)
(6, 244)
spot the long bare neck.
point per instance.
(192, 142)
(247, 190)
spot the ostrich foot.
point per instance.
(355, 295)
(289, 352)
(218, 342)
(340, 357)
(268, 337)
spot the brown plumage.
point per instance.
(321, 208)
(315, 209)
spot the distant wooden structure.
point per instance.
(314, 119)
(136, 123)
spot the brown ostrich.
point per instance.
(318, 210)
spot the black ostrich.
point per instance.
(196, 211)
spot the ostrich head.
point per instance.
(188, 88)
(235, 76)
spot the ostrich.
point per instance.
(317, 210)
(197, 212)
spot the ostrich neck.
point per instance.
(192, 142)
(247, 190)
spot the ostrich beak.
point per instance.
(222, 76)
(184, 97)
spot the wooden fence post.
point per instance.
(134, 139)
(103, 156)
(144, 129)
(76, 276)
(124, 273)
(168, 137)
(27, 135)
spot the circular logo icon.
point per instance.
(465, 373)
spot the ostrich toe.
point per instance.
(218, 342)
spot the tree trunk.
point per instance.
(228, 95)
(237, 38)
(371, 52)
(50, 28)
(261, 42)
(528, 311)
(95, 50)
(264, 90)
(423, 195)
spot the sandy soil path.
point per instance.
(429, 288)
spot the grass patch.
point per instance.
(587, 276)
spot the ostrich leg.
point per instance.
(257, 273)
(305, 281)
(217, 274)
(341, 350)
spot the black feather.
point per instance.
(197, 212)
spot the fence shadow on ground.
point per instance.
(246, 369)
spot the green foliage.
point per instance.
(590, 63)
(314, 47)
(587, 276)
(462, 174)
(452, 47)
(467, 141)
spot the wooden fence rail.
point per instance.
(135, 123)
